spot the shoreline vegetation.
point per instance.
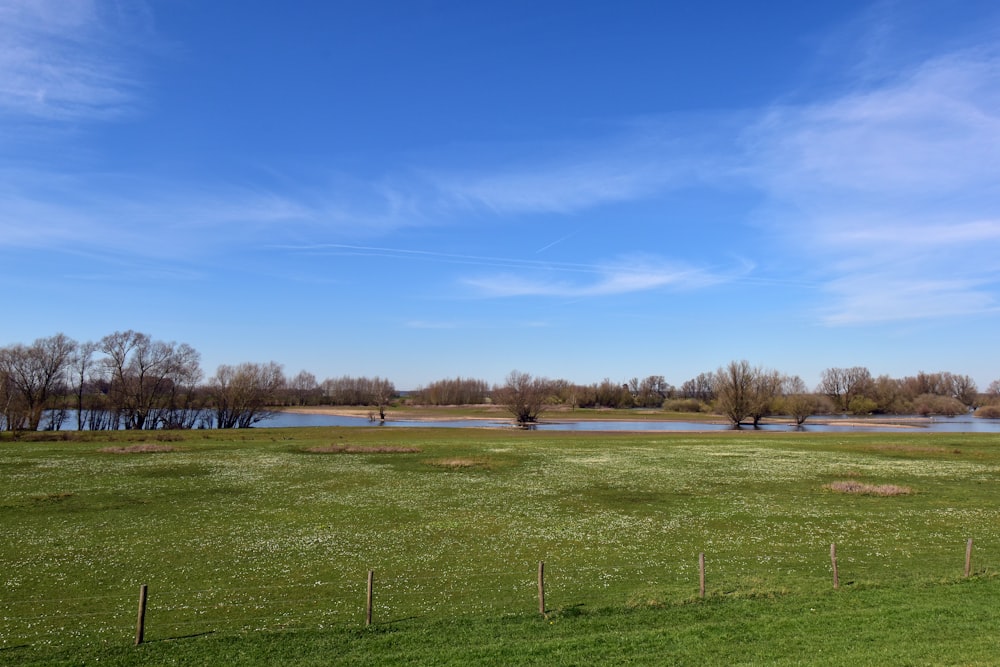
(563, 414)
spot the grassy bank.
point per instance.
(259, 542)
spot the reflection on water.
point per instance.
(965, 424)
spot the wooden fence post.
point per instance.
(701, 574)
(140, 624)
(541, 587)
(369, 598)
(833, 561)
(968, 558)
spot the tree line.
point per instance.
(129, 380)
(744, 393)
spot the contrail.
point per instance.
(557, 241)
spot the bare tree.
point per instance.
(81, 366)
(765, 391)
(303, 389)
(240, 394)
(459, 391)
(798, 402)
(844, 385)
(651, 391)
(145, 375)
(523, 396)
(699, 388)
(733, 387)
(33, 373)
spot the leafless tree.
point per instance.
(523, 396)
(699, 388)
(651, 391)
(844, 385)
(33, 373)
(147, 376)
(765, 391)
(458, 391)
(798, 402)
(733, 387)
(303, 389)
(347, 390)
(240, 394)
(81, 365)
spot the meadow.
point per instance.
(256, 545)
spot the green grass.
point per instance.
(255, 549)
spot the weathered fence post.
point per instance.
(369, 597)
(541, 587)
(833, 561)
(968, 558)
(140, 623)
(701, 574)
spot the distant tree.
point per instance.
(766, 390)
(797, 401)
(611, 394)
(303, 389)
(241, 394)
(33, 373)
(734, 390)
(457, 391)
(934, 404)
(843, 385)
(147, 378)
(699, 388)
(81, 366)
(889, 395)
(348, 390)
(651, 391)
(523, 396)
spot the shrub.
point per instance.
(988, 412)
(683, 405)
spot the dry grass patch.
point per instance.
(361, 449)
(459, 463)
(860, 488)
(144, 448)
(913, 449)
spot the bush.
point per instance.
(988, 412)
(931, 404)
(684, 405)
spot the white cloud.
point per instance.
(877, 298)
(892, 192)
(58, 62)
(621, 277)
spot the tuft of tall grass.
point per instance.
(864, 489)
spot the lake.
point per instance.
(963, 424)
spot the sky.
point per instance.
(427, 189)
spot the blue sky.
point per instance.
(579, 190)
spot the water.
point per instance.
(831, 424)
(964, 424)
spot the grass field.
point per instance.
(256, 545)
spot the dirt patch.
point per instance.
(360, 449)
(860, 488)
(144, 448)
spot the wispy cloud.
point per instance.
(529, 277)
(59, 62)
(891, 191)
(636, 274)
